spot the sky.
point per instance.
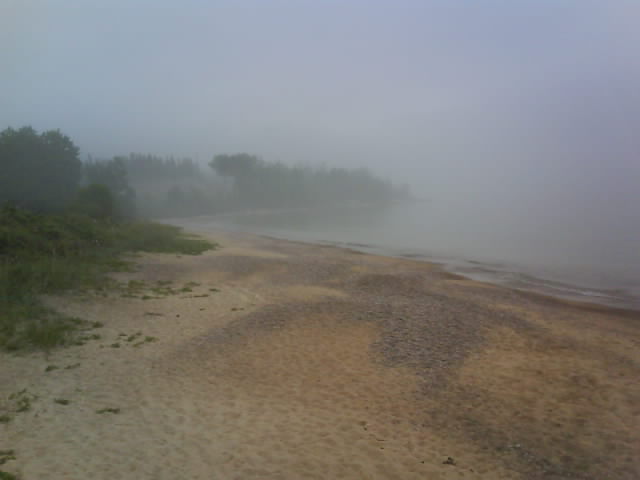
(528, 102)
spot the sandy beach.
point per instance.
(271, 359)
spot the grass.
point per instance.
(18, 402)
(6, 455)
(50, 254)
(108, 410)
(22, 400)
(138, 289)
(147, 339)
(62, 401)
(132, 337)
(7, 476)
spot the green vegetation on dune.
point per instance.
(46, 254)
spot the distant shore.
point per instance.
(269, 358)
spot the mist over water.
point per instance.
(518, 121)
(523, 252)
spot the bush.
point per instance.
(95, 201)
(113, 175)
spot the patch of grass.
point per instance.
(154, 314)
(50, 254)
(7, 476)
(131, 338)
(24, 405)
(26, 323)
(62, 401)
(147, 339)
(214, 290)
(22, 400)
(5, 418)
(81, 340)
(131, 289)
(163, 291)
(72, 366)
(115, 345)
(51, 368)
(108, 410)
(154, 237)
(6, 455)
(135, 285)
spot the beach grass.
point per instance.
(50, 254)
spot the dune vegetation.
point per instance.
(48, 254)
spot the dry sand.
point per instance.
(316, 362)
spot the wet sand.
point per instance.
(283, 360)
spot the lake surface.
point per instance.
(579, 260)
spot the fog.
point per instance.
(518, 121)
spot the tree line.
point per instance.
(256, 182)
(43, 172)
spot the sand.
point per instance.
(294, 361)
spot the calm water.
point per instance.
(580, 260)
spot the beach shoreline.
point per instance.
(272, 358)
(579, 283)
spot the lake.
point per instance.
(541, 252)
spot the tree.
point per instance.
(176, 199)
(257, 183)
(38, 171)
(113, 175)
(237, 165)
(96, 201)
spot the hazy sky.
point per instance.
(490, 98)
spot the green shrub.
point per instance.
(95, 201)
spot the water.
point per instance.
(577, 261)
